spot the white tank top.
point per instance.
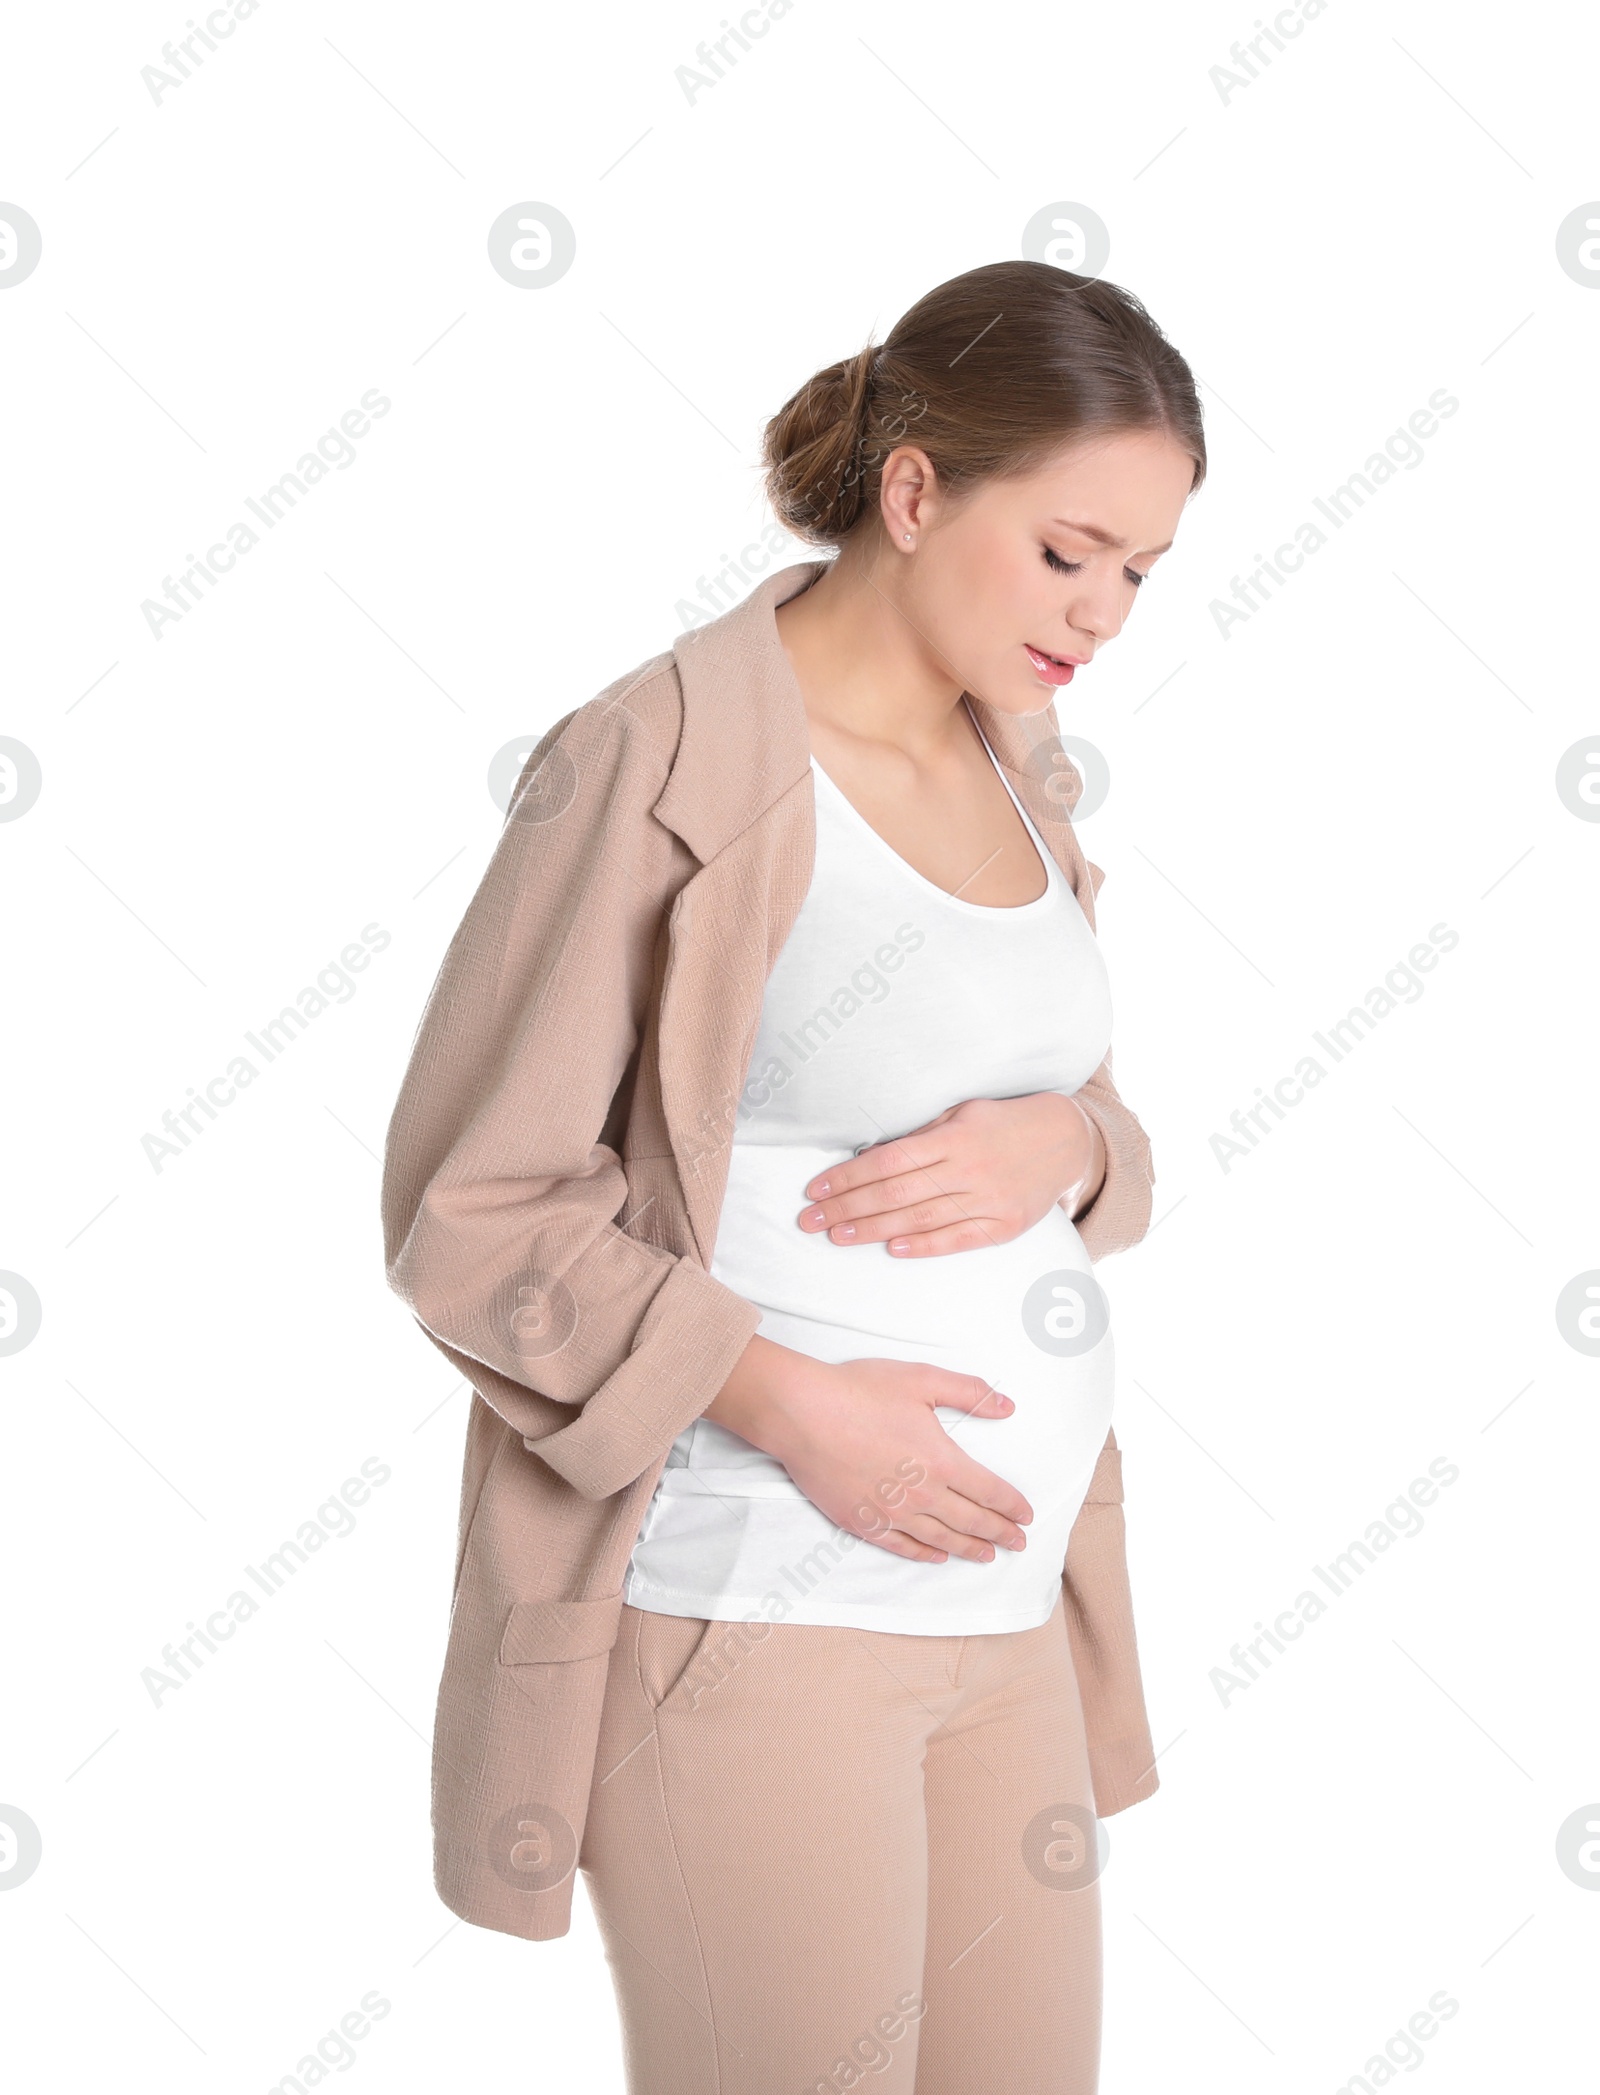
(890, 1001)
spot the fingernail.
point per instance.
(820, 1190)
(842, 1232)
(899, 1244)
(811, 1219)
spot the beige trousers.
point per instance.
(824, 1859)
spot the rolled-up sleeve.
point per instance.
(1119, 1214)
(505, 1214)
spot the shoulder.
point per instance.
(622, 741)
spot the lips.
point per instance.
(1053, 669)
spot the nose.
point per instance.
(1095, 614)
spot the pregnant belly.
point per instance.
(1026, 1316)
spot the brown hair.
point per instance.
(990, 374)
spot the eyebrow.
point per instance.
(1104, 538)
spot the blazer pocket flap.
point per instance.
(546, 1632)
(1105, 1486)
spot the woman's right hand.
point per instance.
(861, 1441)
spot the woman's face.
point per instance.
(1021, 577)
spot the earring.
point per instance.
(908, 534)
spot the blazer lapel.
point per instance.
(724, 934)
(740, 797)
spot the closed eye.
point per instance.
(1075, 567)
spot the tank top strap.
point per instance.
(1053, 873)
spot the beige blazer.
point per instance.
(552, 1178)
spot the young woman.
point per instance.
(755, 1149)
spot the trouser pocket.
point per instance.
(667, 1648)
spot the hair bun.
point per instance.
(811, 451)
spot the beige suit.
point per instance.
(552, 1180)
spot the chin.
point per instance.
(1022, 705)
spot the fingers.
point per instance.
(900, 1200)
(901, 1153)
(932, 1542)
(923, 1538)
(984, 1489)
(966, 1475)
(944, 1503)
(969, 1393)
(969, 1235)
(960, 1527)
(944, 1522)
(972, 1547)
(955, 1522)
(959, 1545)
(899, 1545)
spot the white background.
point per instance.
(226, 1873)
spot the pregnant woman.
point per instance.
(753, 1155)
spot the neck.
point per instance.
(866, 669)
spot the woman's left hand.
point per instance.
(981, 1173)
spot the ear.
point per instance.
(908, 494)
